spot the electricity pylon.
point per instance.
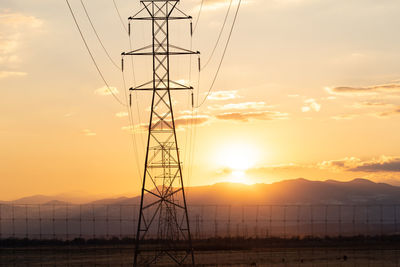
(163, 232)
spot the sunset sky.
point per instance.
(308, 88)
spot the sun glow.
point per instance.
(238, 158)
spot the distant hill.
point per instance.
(298, 191)
(291, 207)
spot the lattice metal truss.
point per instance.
(163, 232)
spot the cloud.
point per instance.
(344, 117)
(16, 20)
(246, 111)
(6, 74)
(106, 91)
(252, 115)
(311, 104)
(180, 123)
(121, 114)
(368, 104)
(223, 95)
(341, 164)
(240, 106)
(88, 132)
(383, 164)
(346, 90)
(353, 164)
(187, 120)
(14, 27)
(395, 111)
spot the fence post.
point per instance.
(107, 227)
(243, 221)
(312, 220)
(270, 220)
(395, 219)
(1, 229)
(80, 220)
(66, 222)
(284, 221)
(381, 219)
(354, 220)
(202, 223)
(216, 222)
(340, 220)
(367, 214)
(256, 229)
(229, 222)
(26, 222)
(53, 221)
(326, 221)
(94, 222)
(298, 221)
(120, 222)
(13, 221)
(40, 222)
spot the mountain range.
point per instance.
(289, 192)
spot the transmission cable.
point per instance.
(198, 16)
(92, 57)
(219, 36)
(120, 17)
(223, 56)
(98, 37)
(133, 77)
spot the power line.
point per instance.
(133, 68)
(198, 16)
(92, 57)
(223, 56)
(131, 128)
(98, 37)
(130, 112)
(119, 15)
(219, 36)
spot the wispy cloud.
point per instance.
(223, 95)
(389, 113)
(121, 114)
(180, 123)
(88, 132)
(6, 74)
(240, 106)
(347, 90)
(252, 115)
(187, 120)
(370, 104)
(311, 104)
(382, 164)
(353, 164)
(13, 28)
(105, 91)
(340, 164)
(344, 117)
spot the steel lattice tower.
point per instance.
(163, 215)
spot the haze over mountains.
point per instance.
(298, 191)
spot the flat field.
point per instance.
(123, 256)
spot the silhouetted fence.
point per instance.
(95, 221)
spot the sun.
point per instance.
(238, 157)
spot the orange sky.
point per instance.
(309, 88)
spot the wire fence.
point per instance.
(262, 235)
(67, 222)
